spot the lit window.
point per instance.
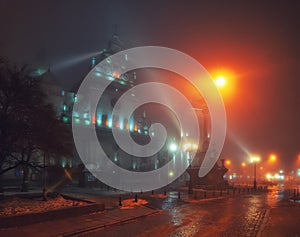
(108, 60)
(77, 120)
(99, 119)
(131, 125)
(65, 119)
(110, 121)
(121, 123)
(116, 157)
(63, 163)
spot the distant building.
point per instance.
(103, 120)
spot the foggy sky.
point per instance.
(258, 40)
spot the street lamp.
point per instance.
(254, 160)
(220, 81)
(272, 158)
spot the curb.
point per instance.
(90, 229)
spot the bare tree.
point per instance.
(28, 124)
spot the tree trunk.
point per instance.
(25, 180)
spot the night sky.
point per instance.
(258, 41)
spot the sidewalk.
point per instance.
(282, 222)
(77, 225)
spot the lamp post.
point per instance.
(254, 160)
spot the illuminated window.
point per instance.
(108, 60)
(126, 124)
(93, 61)
(63, 163)
(116, 157)
(131, 125)
(94, 119)
(77, 120)
(121, 123)
(110, 122)
(99, 118)
(104, 120)
(65, 119)
(86, 115)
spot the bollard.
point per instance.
(152, 192)
(195, 195)
(141, 192)
(135, 198)
(120, 201)
(204, 195)
(178, 195)
(165, 193)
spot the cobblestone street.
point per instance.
(241, 215)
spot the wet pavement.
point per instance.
(229, 216)
(242, 215)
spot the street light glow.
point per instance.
(254, 159)
(220, 81)
(272, 157)
(225, 80)
(173, 147)
(228, 162)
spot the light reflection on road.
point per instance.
(241, 215)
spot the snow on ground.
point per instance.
(130, 203)
(18, 206)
